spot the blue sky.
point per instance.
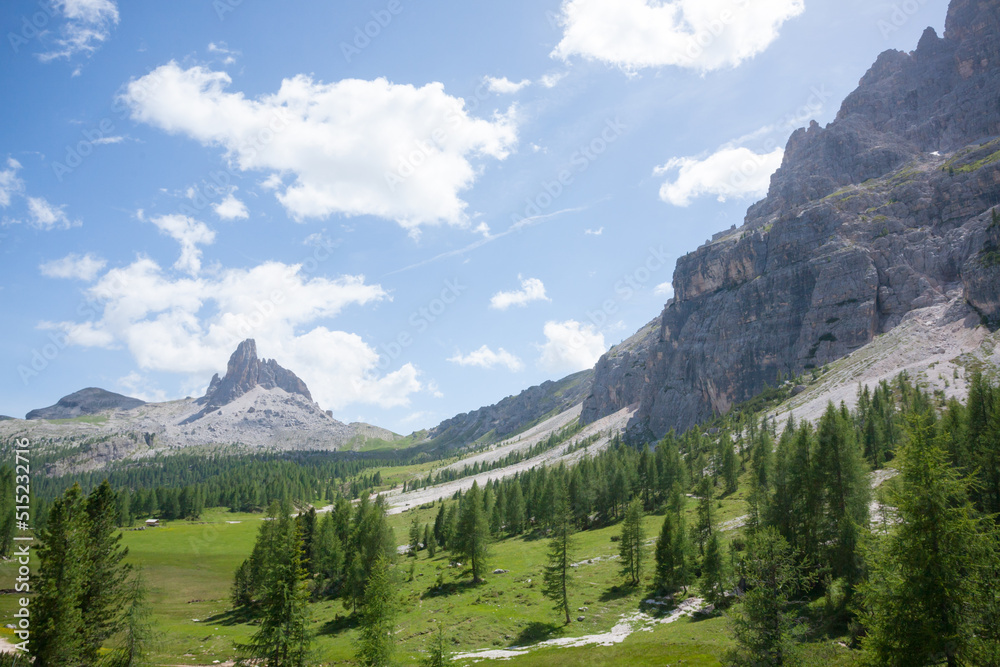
(420, 208)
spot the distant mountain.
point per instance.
(886, 214)
(89, 401)
(245, 372)
(512, 414)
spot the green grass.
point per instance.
(189, 568)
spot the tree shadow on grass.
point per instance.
(536, 632)
(339, 624)
(450, 588)
(616, 593)
(231, 617)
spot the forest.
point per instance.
(904, 572)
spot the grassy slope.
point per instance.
(189, 568)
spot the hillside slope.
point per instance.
(888, 209)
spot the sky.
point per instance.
(419, 208)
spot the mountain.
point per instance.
(512, 414)
(245, 372)
(886, 214)
(89, 401)
(257, 405)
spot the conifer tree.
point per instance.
(632, 538)
(514, 512)
(376, 644)
(841, 474)
(762, 623)
(474, 533)
(713, 572)
(283, 638)
(671, 556)
(437, 656)
(930, 592)
(58, 633)
(137, 633)
(557, 571)
(105, 589)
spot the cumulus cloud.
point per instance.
(10, 184)
(231, 208)
(74, 267)
(352, 147)
(190, 325)
(664, 290)
(504, 86)
(697, 34)
(48, 216)
(571, 346)
(729, 172)
(87, 23)
(189, 233)
(532, 289)
(484, 357)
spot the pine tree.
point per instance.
(713, 574)
(437, 656)
(703, 530)
(58, 632)
(762, 623)
(514, 512)
(376, 644)
(842, 476)
(930, 589)
(557, 572)
(137, 635)
(283, 638)
(107, 574)
(671, 555)
(327, 558)
(632, 538)
(415, 535)
(474, 533)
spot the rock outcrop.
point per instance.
(244, 372)
(888, 209)
(89, 401)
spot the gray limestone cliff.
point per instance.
(889, 208)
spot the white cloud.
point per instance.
(532, 289)
(352, 147)
(228, 55)
(484, 357)
(191, 325)
(698, 34)
(729, 172)
(552, 80)
(10, 184)
(594, 232)
(504, 86)
(139, 386)
(75, 267)
(231, 208)
(189, 233)
(48, 216)
(664, 289)
(87, 24)
(570, 346)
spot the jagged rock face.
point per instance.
(885, 210)
(514, 413)
(244, 372)
(89, 401)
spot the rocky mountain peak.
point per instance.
(244, 372)
(888, 211)
(89, 401)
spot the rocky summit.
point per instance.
(89, 401)
(245, 372)
(889, 209)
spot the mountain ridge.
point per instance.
(887, 209)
